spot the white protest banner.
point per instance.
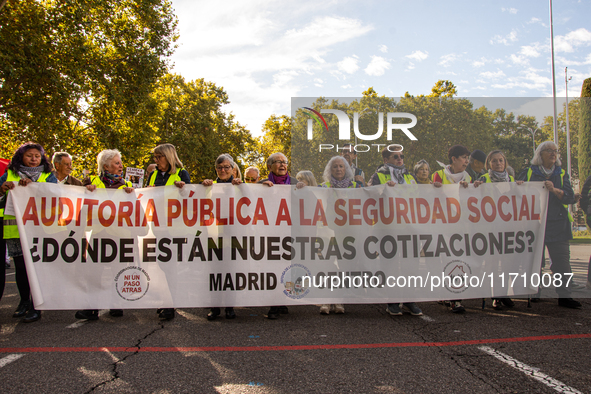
(253, 245)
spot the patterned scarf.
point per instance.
(499, 176)
(110, 179)
(342, 184)
(33, 173)
(396, 172)
(547, 172)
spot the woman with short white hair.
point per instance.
(110, 176)
(546, 168)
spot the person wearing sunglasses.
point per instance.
(393, 172)
(251, 175)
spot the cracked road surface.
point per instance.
(542, 349)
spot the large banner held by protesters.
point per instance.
(254, 245)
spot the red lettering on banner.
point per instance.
(374, 213)
(422, 203)
(173, 212)
(472, 201)
(402, 210)
(260, 213)
(283, 214)
(125, 211)
(524, 211)
(319, 214)
(63, 221)
(504, 216)
(341, 218)
(90, 203)
(150, 215)
(534, 215)
(453, 202)
(219, 220)
(31, 212)
(244, 220)
(47, 220)
(106, 221)
(190, 222)
(206, 210)
(488, 200)
(353, 221)
(438, 212)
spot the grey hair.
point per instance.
(272, 158)
(308, 177)
(421, 163)
(537, 159)
(57, 157)
(222, 158)
(253, 169)
(104, 158)
(327, 170)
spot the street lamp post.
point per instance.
(533, 137)
(566, 79)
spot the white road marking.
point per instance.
(82, 322)
(530, 371)
(8, 359)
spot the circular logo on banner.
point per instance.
(459, 274)
(132, 283)
(292, 280)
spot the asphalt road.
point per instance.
(542, 349)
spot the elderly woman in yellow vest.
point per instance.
(546, 168)
(224, 167)
(496, 166)
(169, 171)
(29, 164)
(110, 176)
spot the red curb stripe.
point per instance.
(283, 348)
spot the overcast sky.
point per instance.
(265, 52)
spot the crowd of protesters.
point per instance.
(30, 164)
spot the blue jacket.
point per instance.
(558, 226)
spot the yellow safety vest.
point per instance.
(444, 179)
(354, 185)
(95, 180)
(171, 179)
(10, 227)
(408, 179)
(487, 178)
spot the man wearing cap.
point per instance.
(62, 162)
(476, 166)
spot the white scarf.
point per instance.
(456, 178)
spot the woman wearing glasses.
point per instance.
(546, 168)
(224, 167)
(169, 171)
